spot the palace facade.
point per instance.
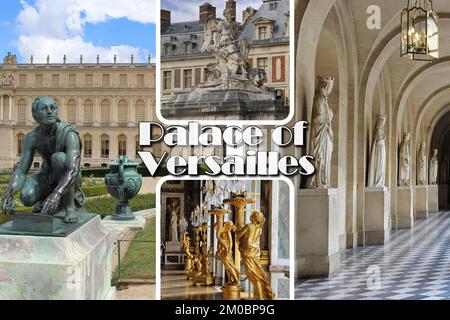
(104, 101)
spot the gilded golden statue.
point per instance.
(189, 260)
(247, 238)
(225, 247)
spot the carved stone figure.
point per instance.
(56, 189)
(434, 165)
(377, 165)
(248, 239)
(225, 249)
(321, 141)
(422, 165)
(404, 161)
(174, 227)
(222, 41)
(10, 58)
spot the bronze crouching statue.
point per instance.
(56, 189)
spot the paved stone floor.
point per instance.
(136, 292)
(175, 286)
(415, 265)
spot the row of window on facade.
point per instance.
(88, 111)
(172, 79)
(122, 145)
(190, 47)
(73, 80)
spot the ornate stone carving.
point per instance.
(422, 165)
(404, 161)
(7, 79)
(377, 165)
(434, 165)
(10, 59)
(321, 140)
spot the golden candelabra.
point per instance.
(239, 203)
(197, 270)
(205, 277)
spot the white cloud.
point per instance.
(73, 47)
(57, 27)
(181, 12)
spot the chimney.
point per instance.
(165, 20)
(206, 11)
(231, 6)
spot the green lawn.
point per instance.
(139, 261)
(107, 206)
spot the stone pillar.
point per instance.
(10, 110)
(317, 233)
(97, 113)
(131, 114)
(376, 216)
(421, 202)
(80, 113)
(1, 109)
(405, 207)
(443, 190)
(115, 113)
(433, 198)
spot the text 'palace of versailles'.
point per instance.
(108, 193)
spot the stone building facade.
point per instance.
(105, 102)
(266, 29)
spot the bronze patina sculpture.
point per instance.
(55, 191)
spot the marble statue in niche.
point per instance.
(434, 165)
(404, 161)
(322, 137)
(377, 164)
(422, 165)
(174, 227)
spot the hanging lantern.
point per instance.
(420, 32)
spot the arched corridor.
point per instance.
(414, 265)
(385, 201)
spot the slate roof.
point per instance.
(278, 15)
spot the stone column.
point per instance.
(115, 113)
(80, 113)
(421, 202)
(376, 216)
(131, 113)
(10, 109)
(317, 233)
(1, 108)
(405, 207)
(433, 198)
(97, 113)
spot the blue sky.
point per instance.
(74, 27)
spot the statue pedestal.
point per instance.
(317, 233)
(433, 198)
(174, 256)
(421, 202)
(233, 104)
(443, 195)
(376, 218)
(405, 208)
(76, 267)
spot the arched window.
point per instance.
(167, 49)
(21, 111)
(105, 112)
(88, 112)
(20, 141)
(140, 111)
(105, 146)
(187, 47)
(122, 145)
(71, 111)
(87, 145)
(123, 113)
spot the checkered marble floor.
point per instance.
(415, 265)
